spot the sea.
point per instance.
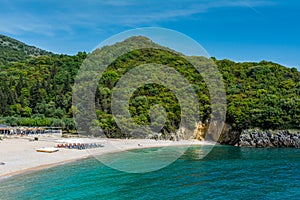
(225, 173)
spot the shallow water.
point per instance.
(225, 173)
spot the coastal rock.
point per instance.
(260, 138)
(199, 133)
(229, 136)
(252, 137)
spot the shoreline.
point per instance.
(38, 168)
(17, 163)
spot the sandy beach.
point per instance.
(19, 155)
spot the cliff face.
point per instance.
(228, 135)
(259, 138)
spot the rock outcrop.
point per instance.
(252, 137)
(229, 136)
(199, 133)
(259, 138)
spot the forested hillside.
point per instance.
(264, 95)
(13, 50)
(37, 91)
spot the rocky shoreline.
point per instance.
(260, 138)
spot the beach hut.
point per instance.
(3, 126)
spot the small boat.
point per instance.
(47, 150)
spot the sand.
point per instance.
(20, 155)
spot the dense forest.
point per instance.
(36, 89)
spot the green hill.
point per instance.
(37, 90)
(12, 50)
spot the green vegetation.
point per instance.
(264, 95)
(14, 51)
(37, 91)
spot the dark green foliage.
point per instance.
(39, 86)
(150, 94)
(264, 95)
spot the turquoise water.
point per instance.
(226, 173)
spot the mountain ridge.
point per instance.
(28, 51)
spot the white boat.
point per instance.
(47, 150)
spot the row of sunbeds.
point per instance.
(79, 145)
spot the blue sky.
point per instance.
(240, 30)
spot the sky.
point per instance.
(239, 30)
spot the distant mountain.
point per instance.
(12, 50)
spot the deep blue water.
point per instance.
(226, 173)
